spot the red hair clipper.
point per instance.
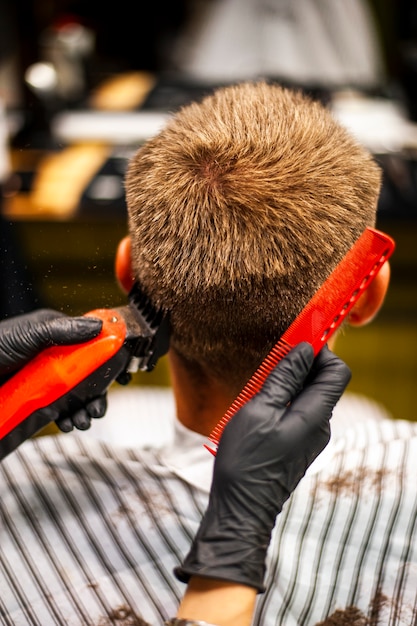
(62, 379)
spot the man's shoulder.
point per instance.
(358, 413)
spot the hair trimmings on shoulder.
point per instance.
(238, 211)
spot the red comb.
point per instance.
(322, 315)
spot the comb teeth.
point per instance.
(278, 352)
(322, 315)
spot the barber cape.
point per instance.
(93, 523)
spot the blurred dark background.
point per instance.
(141, 36)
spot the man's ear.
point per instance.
(372, 299)
(123, 265)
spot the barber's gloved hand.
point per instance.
(82, 419)
(24, 336)
(263, 453)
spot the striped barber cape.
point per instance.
(92, 524)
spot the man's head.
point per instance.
(238, 211)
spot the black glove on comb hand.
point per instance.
(24, 336)
(263, 453)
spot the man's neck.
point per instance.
(199, 406)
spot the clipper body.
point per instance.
(63, 379)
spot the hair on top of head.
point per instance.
(238, 211)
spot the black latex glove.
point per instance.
(24, 336)
(82, 419)
(263, 453)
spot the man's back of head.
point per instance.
(238, 211)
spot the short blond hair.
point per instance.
(238, 211)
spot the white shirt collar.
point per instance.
(187, 457)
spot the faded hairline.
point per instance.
(238, 211)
